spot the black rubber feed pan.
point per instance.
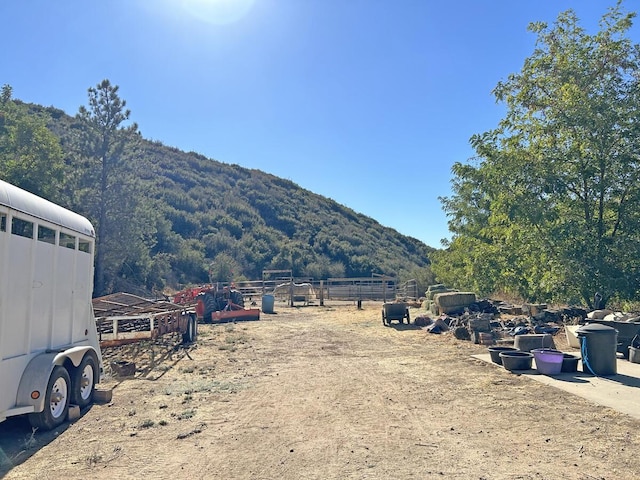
(495, 353)
(569, 363)
(516, 360)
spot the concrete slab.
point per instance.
(621, 392)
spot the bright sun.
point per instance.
(219, 12)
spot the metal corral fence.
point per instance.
(366, 288)
(408, 291)
(351, 289)
(361, 288)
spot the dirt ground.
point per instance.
(325, 393)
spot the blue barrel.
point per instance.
(267, 303)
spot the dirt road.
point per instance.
(326, 393)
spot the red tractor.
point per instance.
(217, 305)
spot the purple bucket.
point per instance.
(548, 360)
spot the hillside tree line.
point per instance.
(165, 218)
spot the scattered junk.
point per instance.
(519, 336)
(627, 326)
(462, 333)
(480, 321)
(437, 326)
(423, 321)
(531, 341)
(123, 368)
(479, 329)
(395, 311)
(598, 314)
(572, 336)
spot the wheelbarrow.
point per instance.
(394, 311)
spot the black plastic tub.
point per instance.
(495, 353)
(516, 360)
(569, 363)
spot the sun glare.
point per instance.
(219, 12)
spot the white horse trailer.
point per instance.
(49, 350)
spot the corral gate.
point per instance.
(361, 288)
(408, 290)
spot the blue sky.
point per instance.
(367, 102)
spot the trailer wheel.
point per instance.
(56, 401)
(84, 381)
(189, 336)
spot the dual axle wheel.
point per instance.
(65, 388)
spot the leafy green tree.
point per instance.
(324, 267)
(551, 208)
(423, 277)
(189, 263)
(30, 155)
(224, 268)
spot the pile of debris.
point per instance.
(484, 321)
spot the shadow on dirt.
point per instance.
(19, 441)
(153, 359)
(403, 326)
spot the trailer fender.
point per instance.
(75, 354)
(36, 376)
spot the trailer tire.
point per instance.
(189, 336)
(83, 381)
(56, 401)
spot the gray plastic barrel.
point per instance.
(598, 345)
(267, 303)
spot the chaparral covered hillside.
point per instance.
(166, 218)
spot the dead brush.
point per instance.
(93, 459)
(30, 442)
